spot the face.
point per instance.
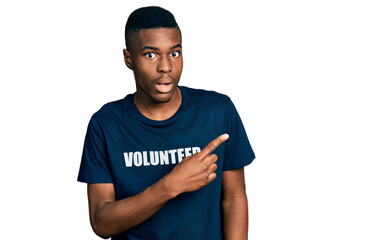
(155, 56)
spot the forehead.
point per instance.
(156, 37)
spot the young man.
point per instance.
(152, 167)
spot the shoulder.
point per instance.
(206, 97)
(111, 110)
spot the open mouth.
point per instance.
(163, 87)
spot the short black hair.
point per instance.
(148, 18)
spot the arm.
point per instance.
(234, 205)
(109, 217)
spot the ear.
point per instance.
(128, 59)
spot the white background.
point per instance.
(301, 73)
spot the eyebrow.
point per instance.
(176, 46)
(154, 48)
(149, 47)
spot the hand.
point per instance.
(195, 171)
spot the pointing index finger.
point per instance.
(214, 144)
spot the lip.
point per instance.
(163, 80)
(164, 85)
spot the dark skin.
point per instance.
(155, 56)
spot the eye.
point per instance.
(175, 54)
(150, 55)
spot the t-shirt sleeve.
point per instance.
(238, 150)
(94, 162)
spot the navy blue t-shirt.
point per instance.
(133, 152)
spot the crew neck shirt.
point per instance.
(131, 151)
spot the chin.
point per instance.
(158, 97)
(163, 98)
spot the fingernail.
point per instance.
(225, 136)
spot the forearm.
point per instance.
(235, 218)
(115, 217)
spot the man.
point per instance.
(149, 158)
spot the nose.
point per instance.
(164, 65)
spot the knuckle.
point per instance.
(211, 177)
(211, 146)
(204, 167)
(208, 179)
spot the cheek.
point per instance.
(144, 71)
(178, 68)
(177, 63)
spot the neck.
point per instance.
(158, 111)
